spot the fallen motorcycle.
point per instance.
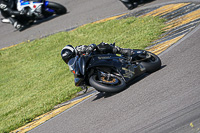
(111, 72)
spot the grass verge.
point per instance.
(34, 78)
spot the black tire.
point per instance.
(129, 4)
(152, 64)
(58, 8)
(101, 87)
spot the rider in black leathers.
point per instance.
(9, 12)
(69, 51)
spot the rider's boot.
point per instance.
(16, 24)
(5, 20)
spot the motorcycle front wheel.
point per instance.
(103, 84)
(55, 8)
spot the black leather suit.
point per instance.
(103, 48)
(10, 9)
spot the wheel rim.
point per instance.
(111, 81)
(117, 84)
(107, 80)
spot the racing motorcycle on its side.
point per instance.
(110, 72)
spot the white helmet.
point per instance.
(68, 52)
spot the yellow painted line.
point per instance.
(183, 20)
(41, 119)
(11, 46)
(191, 124)
(14, 45)
(103, 20)
(166, 9)
(111, 18)
(163, 46)
(172, 24)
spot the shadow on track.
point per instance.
(106, 95)
(38, 22)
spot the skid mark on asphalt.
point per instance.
(181, 19)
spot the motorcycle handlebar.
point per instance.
(127, 52)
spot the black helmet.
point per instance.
(68, 52)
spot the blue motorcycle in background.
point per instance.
(46, 8)
(33, 10)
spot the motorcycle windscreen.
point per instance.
(23, 2)
(72, 65)
(81, 64)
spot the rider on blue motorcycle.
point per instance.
(9, 11)
(69, 51)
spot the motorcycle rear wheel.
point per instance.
(116, 84)
(152, 64)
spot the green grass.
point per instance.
(34, 78)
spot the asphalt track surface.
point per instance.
(165, 101)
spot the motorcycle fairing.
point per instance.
(108, 60)
(28, 2)
(80, 65)
(126, 70)
(73, 65)
(77, 67)
(33, 5)
(46, 3)
(130, 71)
(48, 9)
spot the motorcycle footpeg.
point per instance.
(85, 88)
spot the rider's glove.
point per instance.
(116, 50)
(81, 49)
(90, 48)
(3, 7)
(127, 52)
(93, 46)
